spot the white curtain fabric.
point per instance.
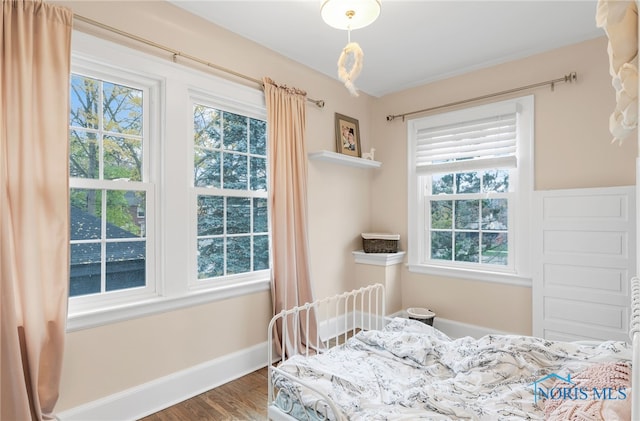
(291, 279)
(619, 19)
(34, 205)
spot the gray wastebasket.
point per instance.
(424, 315)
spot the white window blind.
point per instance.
(470, 177)
(487, 142)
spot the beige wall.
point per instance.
(572, 150)
(106, 360)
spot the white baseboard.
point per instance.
(145, 399)
(455, 329)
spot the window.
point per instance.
(471, 172)
(109, 184)
(230, 179)
(168, 186)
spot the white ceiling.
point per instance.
(412, 42)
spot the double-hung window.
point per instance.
(470, 184)
(230, 183)
(111, 188)
(168, 186)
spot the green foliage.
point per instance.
(106, 143)
(474, 229)
(441, 214)
(118, 212)
(230, 154)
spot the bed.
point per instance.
(360, 365)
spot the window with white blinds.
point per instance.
(447, 143)
(488, 142)
(470, 181)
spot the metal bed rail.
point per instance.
(314, 328)
(634, 335)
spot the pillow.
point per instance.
(614, 375)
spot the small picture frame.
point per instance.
(347, 136)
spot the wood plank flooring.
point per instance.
(244, 399)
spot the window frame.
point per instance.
(172, 179)
(85, 66)
(518, 271)
(212, 100)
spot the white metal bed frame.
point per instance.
(634, 336)
(343, 315)
(338, 318)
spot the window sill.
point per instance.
(119, 313)
(494, 277)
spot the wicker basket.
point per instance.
(380, 243)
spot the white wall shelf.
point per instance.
(378, 259)
(343, 159)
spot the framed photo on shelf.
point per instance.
(347, 136)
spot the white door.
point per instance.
(584, 248)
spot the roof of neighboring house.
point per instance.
(85, 226)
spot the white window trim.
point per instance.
(150, 86)
(150, 306)
(172, 245)
(520, 274)
(213, 100)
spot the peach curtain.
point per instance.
(34, 205)
(291, 280)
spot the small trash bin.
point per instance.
(424, 315)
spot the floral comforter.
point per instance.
(411, 371)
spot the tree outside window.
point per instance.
(230, 176)
(108, 225)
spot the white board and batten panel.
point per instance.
(585, 254)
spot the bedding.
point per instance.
(614, 376)
(409, 370)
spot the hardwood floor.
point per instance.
(244, 399)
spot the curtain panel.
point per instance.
(34, 205)
(287, 152)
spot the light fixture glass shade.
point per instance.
(350, 14)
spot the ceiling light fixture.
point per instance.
(348, 15)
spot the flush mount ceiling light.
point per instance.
(348, 15)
